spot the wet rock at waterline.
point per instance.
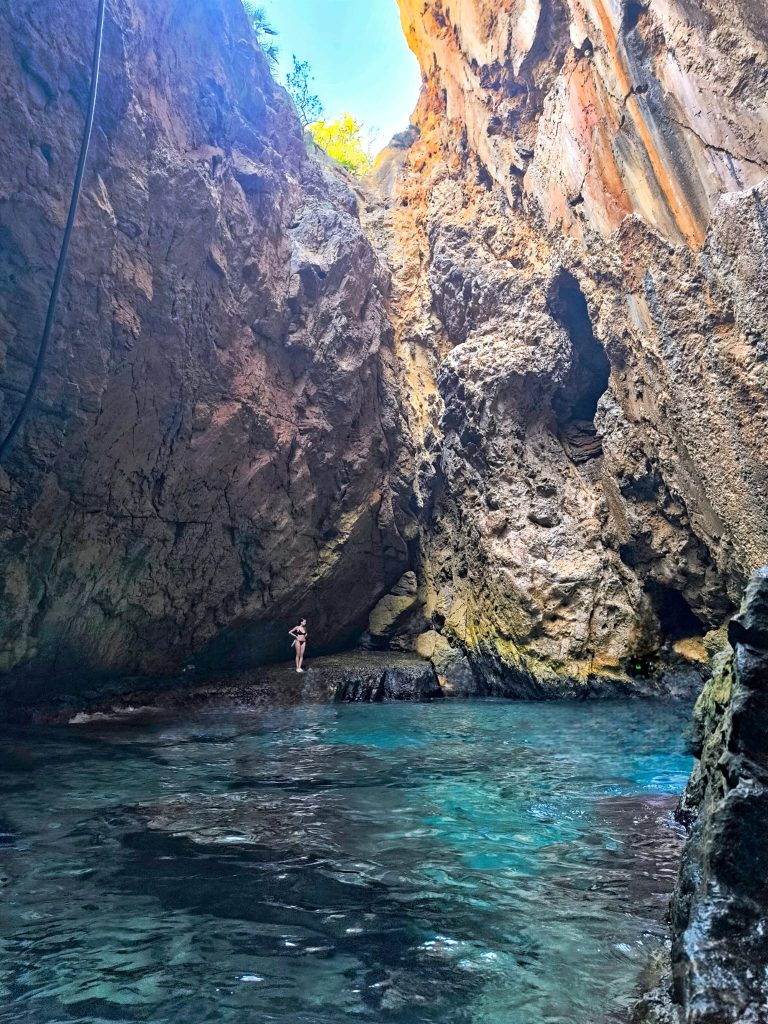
(351, 677)
(720, 910)
(390, 677)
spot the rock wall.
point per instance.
(577, 227)
(720, 906)
(209, 455)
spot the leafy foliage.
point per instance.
(341, 139)
(261, 26)
(297, 81)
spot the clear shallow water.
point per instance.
(461, 863)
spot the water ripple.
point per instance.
(473, 863)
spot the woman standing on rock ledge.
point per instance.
(299, 634)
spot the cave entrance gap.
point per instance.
(575, 404)
(356, 59)
(677, 620)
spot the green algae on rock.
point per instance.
(719, 912)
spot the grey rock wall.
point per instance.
(209, 454)
(720, 909)
(576, 228)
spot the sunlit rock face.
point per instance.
(577, 230)
(209, 456)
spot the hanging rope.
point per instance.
(40, 361)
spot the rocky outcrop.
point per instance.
(210, 453)
(350, 677)
(720, 910)
(576, 227)
(374, 678)
(390, 611)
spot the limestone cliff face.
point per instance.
(577, 229)
(209, 456)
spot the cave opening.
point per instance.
(575, 404)
(677, 620)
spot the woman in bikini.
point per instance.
(299, 634)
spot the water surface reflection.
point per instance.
(473, 863)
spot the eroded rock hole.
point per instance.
(676, 617)
(576, 404)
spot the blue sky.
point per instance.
(359, 57)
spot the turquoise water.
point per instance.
(460, 863)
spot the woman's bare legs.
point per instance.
(299, 634)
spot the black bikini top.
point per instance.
(301, 634)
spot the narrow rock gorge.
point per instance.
(493, 417)
(519, 370)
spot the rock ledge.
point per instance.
(352, 676)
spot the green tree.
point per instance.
(342, 140)
(297, 81)
(264, 31)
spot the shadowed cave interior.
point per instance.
(676, 617)
(576, 404)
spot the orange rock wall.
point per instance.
(578, 176)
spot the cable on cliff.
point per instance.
(76, 187)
